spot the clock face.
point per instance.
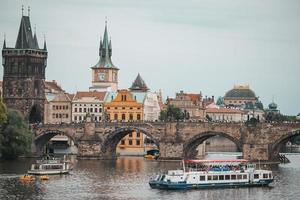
(101, 77)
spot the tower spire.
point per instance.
(45, 45)
(22, 10)
(4, 42)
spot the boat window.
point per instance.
(270, 175)
(221, 177)
(265, 175)
(233, 177)
(227, 177)
(209, 178)
(239, 176)
(256, 176)
(244, 176)
(215, 177)
(202, 178)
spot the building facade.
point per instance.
(88, 103)
(24, 73)
(1, 90)
(124, 106)
(104, 73)
(226, 114)
(190, 104)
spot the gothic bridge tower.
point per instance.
(24, 73)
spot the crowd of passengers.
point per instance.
(216, 167)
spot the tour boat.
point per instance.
(212, 174)
(50, 167)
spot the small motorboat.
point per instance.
(27, 178)
(44, 177)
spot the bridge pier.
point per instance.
(171, 151)
(256, 152)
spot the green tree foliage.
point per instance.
(277, 117)
(220, 101)
(172, 113)
(3, 113)
(16, 138)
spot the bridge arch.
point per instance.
(190, 146)
(275, 149)
(44, 137)
(113, 138)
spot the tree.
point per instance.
(220, 101)
(3, 113)
(16, 138)
(172, 113)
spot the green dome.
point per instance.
(240, 93)
(272, 106)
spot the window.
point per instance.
(138, 117)
(56, 115)
(265, 175)
(215, 177)
(221, 177)
(84, 110)
(75, 110)
(256, 176)
(130, 134)
(244, 176)
(130, 142)
(116, 108)
(75, 118)
(130, 117)
(123, 116)
(138, 142)
(100, 110)
(95, 110)
(67, 107)
(138, 134)
(53, 107)
(130, 108)
(80, 118)
(122, 142)
(67, 115)
(116, 117)
(80, 109)
(233, 177)
(239, 176)
(209, 178)
(202, 178)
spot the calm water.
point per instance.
(127, 178)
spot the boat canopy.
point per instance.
(215, 161)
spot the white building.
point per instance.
(88, 102)
(226, 114)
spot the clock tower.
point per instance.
(104, 73)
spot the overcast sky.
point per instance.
(190, 45)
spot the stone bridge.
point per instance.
(176, 140)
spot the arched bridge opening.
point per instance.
(195, 147)
(288, 143)
(135, 140)
(55, 142)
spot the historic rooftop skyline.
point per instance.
(203, 46)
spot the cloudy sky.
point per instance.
(190, 45)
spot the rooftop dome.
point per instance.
(272, 106)
(240, 92)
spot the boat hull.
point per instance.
(47, 172)
(182, 186)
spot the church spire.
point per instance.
(139, 84)
(35, 41)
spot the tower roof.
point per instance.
(139, 84)
(105, 52)
(25, 39)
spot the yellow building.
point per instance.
(123, 106)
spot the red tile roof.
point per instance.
(224, 110)
(98, 95)
(194, 97)
(52, 85)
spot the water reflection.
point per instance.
(127, 178)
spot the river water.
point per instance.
(127, 178)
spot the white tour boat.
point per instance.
(213, 174)
(50, 167)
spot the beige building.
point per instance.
(85, 103)
(190, 104)
(125, 106)
(57, 107)
(226, 114)
(239, 96)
